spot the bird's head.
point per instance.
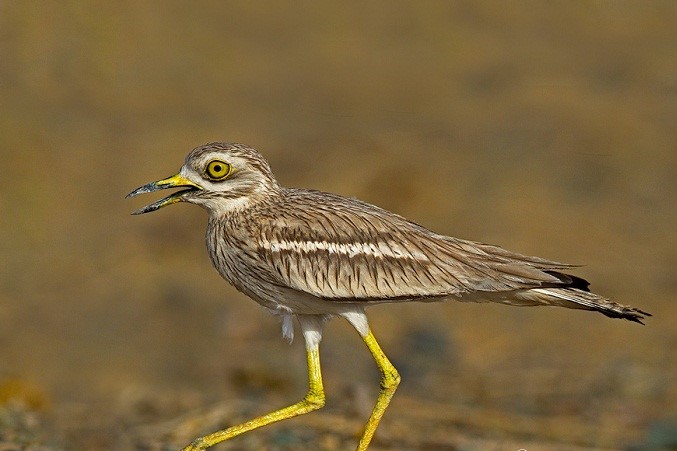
(220, 177)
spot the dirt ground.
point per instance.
(545, 127)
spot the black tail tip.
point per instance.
(631, 314)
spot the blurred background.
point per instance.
(545, 127)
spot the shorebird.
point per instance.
(310, 256)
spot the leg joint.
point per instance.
(390, 379)
(314, 400)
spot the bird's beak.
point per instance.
(175, 181)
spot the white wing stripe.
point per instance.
(379, 250)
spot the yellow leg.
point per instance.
(390, 379)
(313, 401)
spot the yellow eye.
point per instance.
(217, 170)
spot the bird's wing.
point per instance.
(343, 249)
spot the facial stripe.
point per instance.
(379, 250)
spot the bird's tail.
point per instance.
(578, 299)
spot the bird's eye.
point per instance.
(218, 170)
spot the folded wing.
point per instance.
(342, 249)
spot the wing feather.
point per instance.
(343, 249)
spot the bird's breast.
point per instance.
(231, 252)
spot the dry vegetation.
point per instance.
(546, 127)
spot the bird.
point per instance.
(309, 256)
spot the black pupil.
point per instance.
(217, 168)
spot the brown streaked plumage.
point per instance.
(311, 255)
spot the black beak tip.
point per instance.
(140, 190)
(146, 209)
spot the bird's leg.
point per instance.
(390, 379)
(312, 401)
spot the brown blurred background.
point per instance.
(546, 127)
